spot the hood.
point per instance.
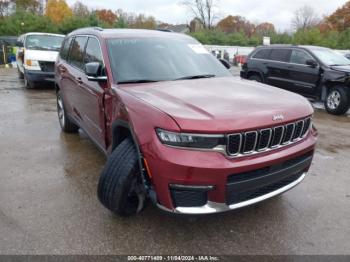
(345, 68)
(41, 55)
(221, 104)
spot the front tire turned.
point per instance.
(337, 101)
(120, 188)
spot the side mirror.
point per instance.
(312, 63)
(225, 63)
(93, 72)
(19, 44)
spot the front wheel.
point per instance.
(337, 101)
(27, 83)
(255, 78)
(120, 188)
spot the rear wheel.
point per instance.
(66, 124)
(120, 187)
(337, 101)
(255, 78)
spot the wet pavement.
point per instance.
(48, 202)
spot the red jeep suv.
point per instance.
(176, 126)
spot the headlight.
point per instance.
(190, 140)
(32, 62)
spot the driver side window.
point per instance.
(299, 57)
(93, 54)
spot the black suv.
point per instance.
(315, 72)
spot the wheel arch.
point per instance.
(122, 129)
(330, 84)
(256, 72)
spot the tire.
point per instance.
(256, 78)
(20, 74)
(27, 83)
(66, 124)
(337, 101)
(120, 188)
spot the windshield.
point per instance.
(43, 42)
(330, 57)
(161, 59)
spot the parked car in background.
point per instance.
(241, 57)
(177, 126)
(315, 72)
(347, 56)
(36, 56)
(239, 60)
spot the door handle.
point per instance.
(78, 79)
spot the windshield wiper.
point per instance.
(137, 81)
(196, 77)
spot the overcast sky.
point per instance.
(278, 12)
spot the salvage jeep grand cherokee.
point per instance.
(177, 127)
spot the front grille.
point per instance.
(47, 66)
(265, 139)
(248, 185)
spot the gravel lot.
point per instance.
(48, 202)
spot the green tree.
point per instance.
(27, 5)
(74, 22)
(344, 39)
(307, 37)
(22, 22)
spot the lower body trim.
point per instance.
(213, 207)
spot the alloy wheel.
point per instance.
(333, 99)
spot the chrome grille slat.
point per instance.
(307, 123)
(288, 135)
(255, 141)
(253, 138)
(263, 145)
(298, 130)
(232, 139)
(277, 136)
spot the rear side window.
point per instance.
(262, 54)
(299, 57)
(65, 48)
(76, 55)
(281, 55)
